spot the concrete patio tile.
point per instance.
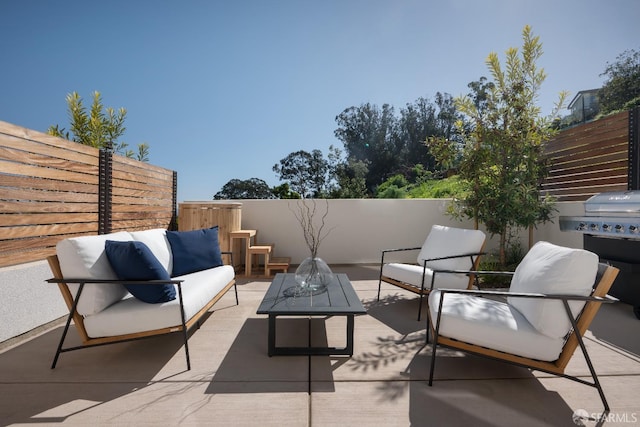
(159, 404)
(361, 404)
(234, 382)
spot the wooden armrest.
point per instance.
(565, 297)
(401, 249)
(116, 282)
(477, 272)
(471, 254)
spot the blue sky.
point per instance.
(225, 89)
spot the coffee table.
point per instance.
(338, 299)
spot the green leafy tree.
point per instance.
(253, 188)
(348, 177)
(100, 127)
(502, 159)
(306, 173)
(621, 91)
(284, 192)
(393, 188)
(367, 133)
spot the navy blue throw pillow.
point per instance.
(194, 250)
(134, 260)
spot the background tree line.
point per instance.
(378, 144)
(384, 152)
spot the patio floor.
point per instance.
(234, 382)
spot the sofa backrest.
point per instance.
(84, 258)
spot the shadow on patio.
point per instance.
(234, 382)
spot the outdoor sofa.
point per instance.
(176, 278)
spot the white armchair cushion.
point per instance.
(132, 315)
(84, 258)
(412, 274)
(445, 241)
(551, 269)
(492, 324)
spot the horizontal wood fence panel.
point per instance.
(35, 207)
(141, 225)
(46, 218)
(586, 182)
(51, 189)
(27, 170)
(54, 196)
(47, 184)
(45, 230)
(131, 169)
(17, 137)
(589, 159)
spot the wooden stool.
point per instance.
(258, 250)
(278, 264)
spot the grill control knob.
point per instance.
(606, 227)
(619, 228)
(633, 229)
(582, 226)
(593, 227)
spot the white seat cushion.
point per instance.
(551, 269)
(446, 241)
(492, 324)
(412, 274)
(84, 258)
(132, 315)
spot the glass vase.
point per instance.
(313, 274)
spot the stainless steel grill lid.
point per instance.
(614, 214)
(618, 203)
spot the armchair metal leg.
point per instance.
(185, 333)
(74, 306)
(435, 341)
(594, 376)
(380, 277)
(235, 288)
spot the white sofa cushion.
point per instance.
(551, 269)
(156, 240)
(412, 274)
(444, 241)
(492, 324)
(131, 315)
(84, 258)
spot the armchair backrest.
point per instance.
(551, 269)
(447, 241)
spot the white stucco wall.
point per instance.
(28, 301)
(360, 229)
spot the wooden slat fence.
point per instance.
(51, 189)
(591, 158)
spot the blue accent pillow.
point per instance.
(134, 260)
(194, 250)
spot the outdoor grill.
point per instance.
(611, 229)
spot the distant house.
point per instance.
(584, 106)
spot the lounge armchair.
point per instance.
(538, 323)
(446, 248)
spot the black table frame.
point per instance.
(339, 299)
